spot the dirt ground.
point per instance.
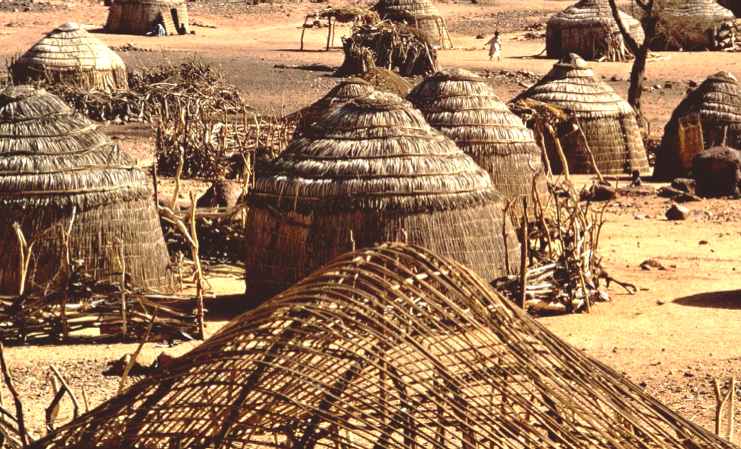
(681, 329)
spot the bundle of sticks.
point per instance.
(562, 271)
(387, 45)
(155, 93)
(198, 144)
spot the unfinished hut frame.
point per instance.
(70, 55)
(588, 29)
(693, 25)
(140, 16)
(421, 15)
(708, 116)
(601, 132)
(391, 347)
(64, 184)
(372, 171)
(461, 105)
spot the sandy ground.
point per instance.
(679, 331)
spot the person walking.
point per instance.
(495, 47)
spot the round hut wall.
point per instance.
(140, 16)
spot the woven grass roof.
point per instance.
(717, 103)
(406, 8)
(584, 27)
(690, 24)
(391, 347)
(55, 165)
(348, 89)
(376, 152)
(465, 108)
(573, 86)
(71, 50)
(608, 122)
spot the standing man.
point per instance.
(495, 47)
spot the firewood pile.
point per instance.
(95, 311)
(155, 93)
(387, 45)
(564, 271)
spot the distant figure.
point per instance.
(158, 29)
(495, 47)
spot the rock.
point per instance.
(677, 212)
(717, 172)
(684, 184)
(479, 36)
(599, 192)
(677, 195)
(652, 264)
(222, 193)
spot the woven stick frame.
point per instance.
(387, 347)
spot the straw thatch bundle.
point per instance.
(716, 106)
(140, 16)
(693, 25)
(420, 14)
(588, 28)
(466, 109)
(372, 171)
(69, 54)
(59, 175)
(607, 121)
(391, 347)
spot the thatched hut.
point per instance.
(465, 108)
(372, 171)
(140, 16)
(391, 347)
(419, 14)
(588, 29)
(69, 54)
(693, 25)
(708, 116)
(59, 175)
(610, 129)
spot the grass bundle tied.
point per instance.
(601, 134)
(387, 45)
(140, 16)
(372, 170)
(387, 347)
(588, 29)
(70, 55)
(465, 108)
(714, 107)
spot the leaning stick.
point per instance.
(559, 151)
(587, 148)
(16, 398)
(523, 255)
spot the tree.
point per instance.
(649, 23)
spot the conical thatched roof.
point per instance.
(346, 90)
(588, 29)
(390, 347)
(57, 168)
(716, 103)
(371, 171)
(71, 54)
(607, 120)
(139, 16)
(420, 14)
(462, 106)
(690, 24)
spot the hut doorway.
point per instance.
(176, 20)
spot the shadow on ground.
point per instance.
(720, 300)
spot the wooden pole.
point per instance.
(199, 269)
(559, 151)
(524, 253)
